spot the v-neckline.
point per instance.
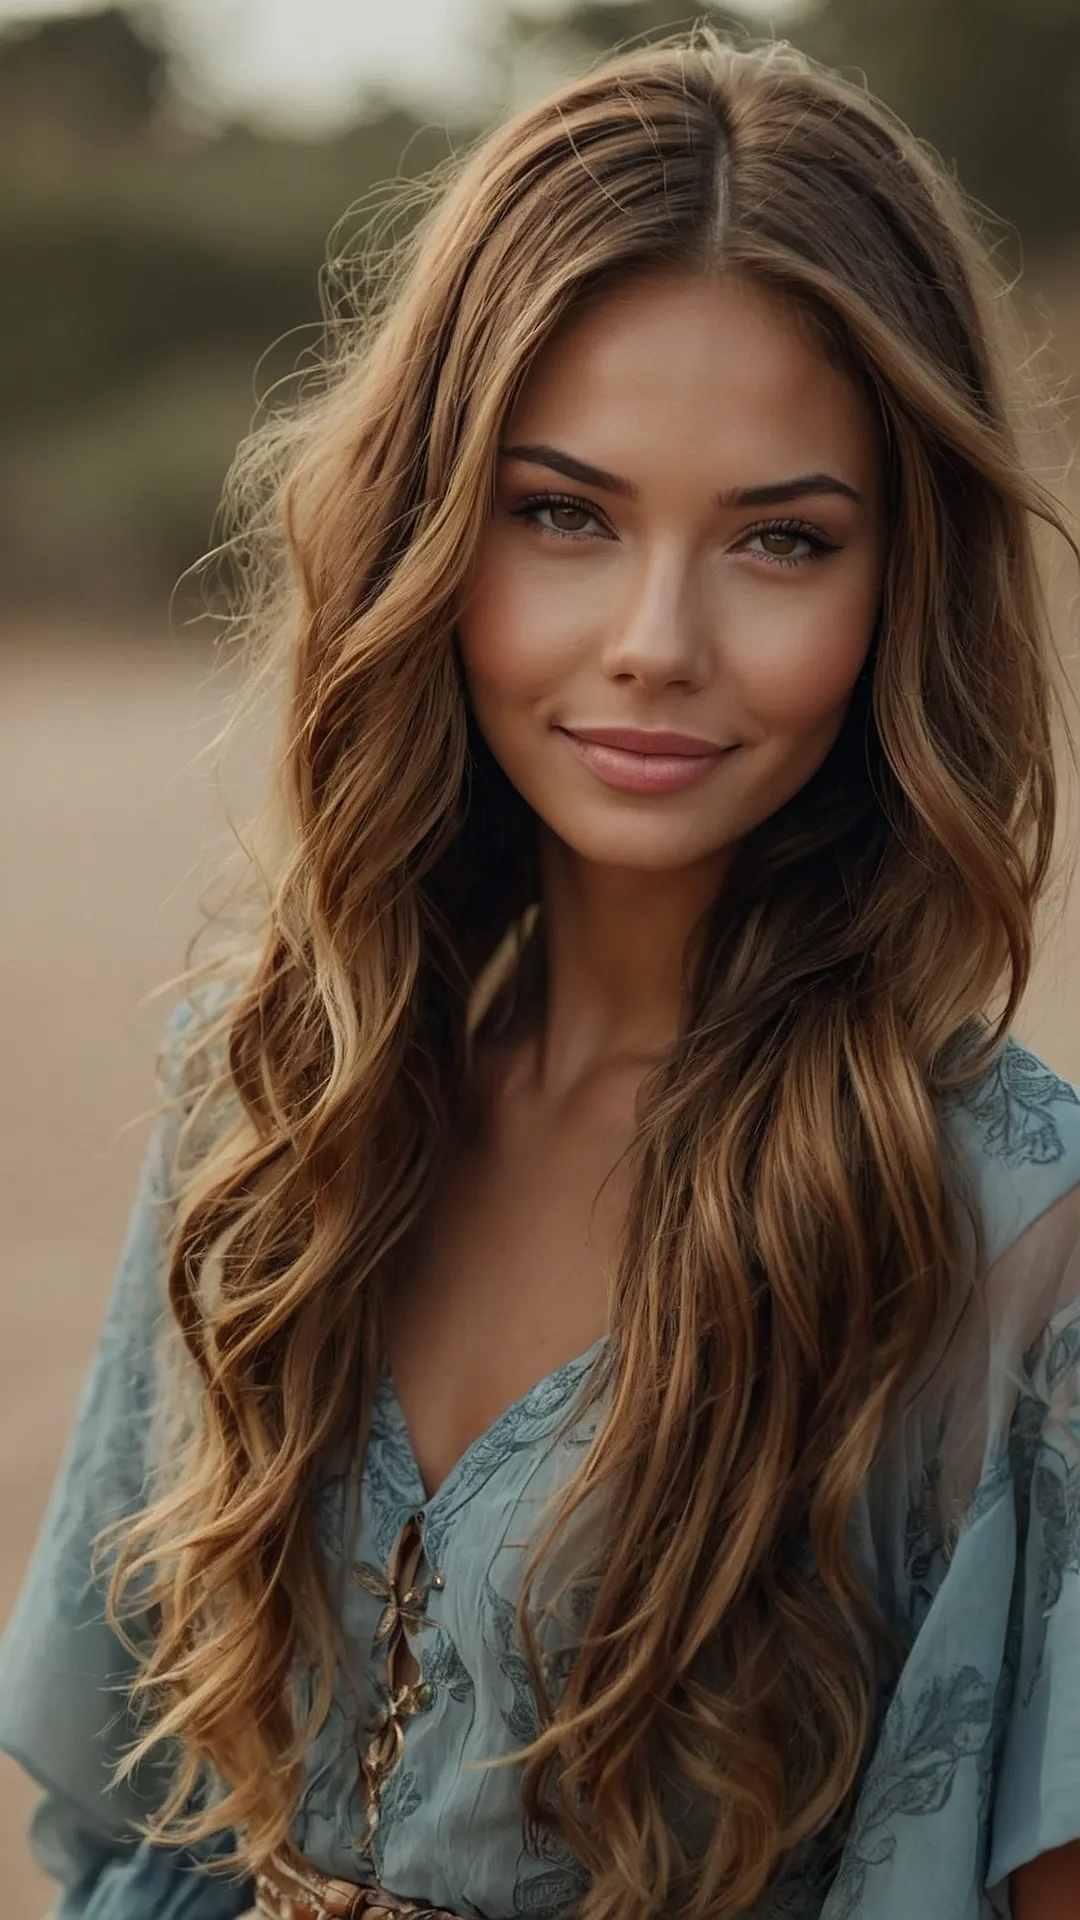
(548, 1385)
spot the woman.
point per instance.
(591, 1400)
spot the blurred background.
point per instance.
(169, 176)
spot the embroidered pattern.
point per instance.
(334, 1794)
(400, 1798)
(1056, 1492)
(1014, 1105)
(1045, 1459)
(559, 1879)
(926, 1554)
(443, 1668)
(912, 1771)
(499, 1621)
(500, 1635)
(390, 1472)
(522, 1427)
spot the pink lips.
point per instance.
(644, 760)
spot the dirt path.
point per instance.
(105, 822)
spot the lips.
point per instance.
(644, 760)
(647, 740)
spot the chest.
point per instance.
(505, 1278)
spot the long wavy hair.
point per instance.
(790, 1246)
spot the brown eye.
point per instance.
(783, 545)
(567, 519)
(570, 519)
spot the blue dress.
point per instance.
(968, 1528)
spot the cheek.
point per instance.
(801, 671)
(517, 642)
(500, 633)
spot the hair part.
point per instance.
(790, 1248)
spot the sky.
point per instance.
(307, 63)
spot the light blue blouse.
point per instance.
(969, 1531)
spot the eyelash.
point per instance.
(820, 545)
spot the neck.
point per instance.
(617, 948)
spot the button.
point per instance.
(438, 1581)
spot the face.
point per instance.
(679, 582)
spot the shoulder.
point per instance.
(192, 1075)
(1016, 1136)
(196, 1018)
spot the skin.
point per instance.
(661, 603)
(1048, 1888)
(664, 608)
(667, 610)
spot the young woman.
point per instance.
(589, 1416)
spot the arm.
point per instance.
(71, 1850)
(105, 1880)
(64, 1674)
(1048, 1888)
(133, 1882)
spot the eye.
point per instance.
(560, 506)
(782, 538)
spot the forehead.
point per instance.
(719, 368)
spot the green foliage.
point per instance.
(147, 270)
(992, 85)
(152, 278)
(602, 24)
(94, 77)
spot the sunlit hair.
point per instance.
(790, 1248)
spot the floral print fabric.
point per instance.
(969, 1531)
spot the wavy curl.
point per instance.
(789, 1251)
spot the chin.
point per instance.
(639, 852)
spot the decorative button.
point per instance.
(438, 1581)
(403, 1612)
(408, 1607)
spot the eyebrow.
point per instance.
(774, 494)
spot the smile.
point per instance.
(661, 763)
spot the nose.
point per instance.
(657, 634)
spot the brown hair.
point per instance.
(788, 1252)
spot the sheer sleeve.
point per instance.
(968, 1530)
(1006, 1487)
(152, 1883)
(64, 1674)
(1036, 1803)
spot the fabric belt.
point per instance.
(282, 1894)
